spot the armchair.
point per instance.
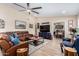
(74, 45)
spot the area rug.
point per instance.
(33, 48)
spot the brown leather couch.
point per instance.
(7, 47)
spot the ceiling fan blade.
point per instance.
(35, 12)
(19, 5)
(22, 10)
(27, 5)
(36, 8)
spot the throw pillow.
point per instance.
(15, 40)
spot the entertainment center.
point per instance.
(45, 31)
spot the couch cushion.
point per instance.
(4, 45)
(5, 37)
(22, 38)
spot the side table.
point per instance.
(70, 51)
(22, 52)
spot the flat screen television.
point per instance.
(45, 28)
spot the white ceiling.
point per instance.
(52, 9)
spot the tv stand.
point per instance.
(45, 31)
(45, 35)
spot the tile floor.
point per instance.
(51, 48)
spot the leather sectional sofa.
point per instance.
(7, 47)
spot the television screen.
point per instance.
(45, 28)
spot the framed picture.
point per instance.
(20, 24)
(2, 24)
(30, 25)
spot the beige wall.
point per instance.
(9, 15)
(53, 20)
(78, 21)
(32, 21)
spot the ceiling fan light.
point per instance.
(28, 10)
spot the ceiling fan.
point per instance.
(28, 9)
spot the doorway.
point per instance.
(59, 30)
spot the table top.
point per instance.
(70, 49)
